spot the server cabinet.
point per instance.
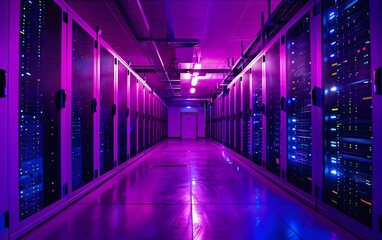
(107, 110)
(152, 97)
(272, 109)
(208, 123)
(39, 111)
(227, 120)
(298, 100)
(232, 118)
(133, 116)
(140, 113)
(257, 114)
(147, 118)
(246, 141)
(238, 116)
(122, 113)
(223, 121)
(347, 109)
(221, 109)
(83, 57)
(4, 70)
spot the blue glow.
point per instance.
(333, 89)
(334, 172)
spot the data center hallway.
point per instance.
(188, 189)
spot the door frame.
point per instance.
(181, 117)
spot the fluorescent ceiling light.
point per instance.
(187, 76)
(192, 90)
(194, 81)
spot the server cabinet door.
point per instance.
(272, 64)
(39, 108)
(232, 118)
(82, 112)
(122, 113)
(152, 142)
(226, 117)
(257, 115)
(147, 118)
(133, 116)
(347, 109)
(140, 117)
(106, 111)
(376, 65)
(246, 115)
(4, 49)
(238, 113)
(298, 101)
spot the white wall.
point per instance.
(174, 120)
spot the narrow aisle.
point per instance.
(188, 189)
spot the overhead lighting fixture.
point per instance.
(187, 76)
(194, 81)
(192, 90)
(197, 66)
(188, 106)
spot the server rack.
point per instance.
(227, 119)
(298, 98)
(147, 119)
(107, 110)
(246, 114)
(315, 98)
(123, 113)
(258, 111)
(133, 116)
(151, 119)
(140, 116)
(82, 121)
(232, 119)
(68, 111)
(272, 109)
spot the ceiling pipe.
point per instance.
(145, 69)
(276, 20)
(134, 16)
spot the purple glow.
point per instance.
(192, 90)
(194, 81)
(187, 76)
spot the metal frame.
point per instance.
(4, 106)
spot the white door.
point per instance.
(189, 125)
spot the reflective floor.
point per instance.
(188, 189)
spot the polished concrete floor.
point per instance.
(188, 189)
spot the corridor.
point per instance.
(188, 189)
